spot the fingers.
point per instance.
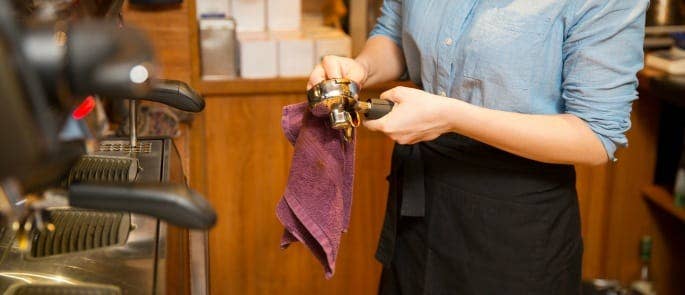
(398, 136)
(332, 66)
(356, 74)
(374, 125)
(317, 75)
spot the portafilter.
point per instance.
(339, 100)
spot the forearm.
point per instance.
(561, 139)
(382, 59)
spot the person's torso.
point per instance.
(499, 54)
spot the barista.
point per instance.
(511, 95)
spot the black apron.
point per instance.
(466, 218)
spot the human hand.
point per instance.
(417, 116)
(333, 67)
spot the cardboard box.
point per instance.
(249, 15)
(258, 55)
(295, 54)
(284, 15)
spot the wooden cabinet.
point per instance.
(247, 161)
(240, 160)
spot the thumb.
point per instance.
(393, 95)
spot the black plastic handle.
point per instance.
(378, 108)
(173, 203)
(176, 94)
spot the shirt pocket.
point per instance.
(503, 50)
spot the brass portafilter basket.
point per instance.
(339, 100)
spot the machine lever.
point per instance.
(174, 203)
(176, 94)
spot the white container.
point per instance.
(284, 15)
(295, 54)
(249, 15)
(258, 55)
(217, 48)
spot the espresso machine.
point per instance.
(79, 213)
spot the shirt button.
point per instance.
(448, 41)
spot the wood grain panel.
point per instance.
(240, 161)
(592, 185)
(634, 171)
(169, 32)
(248, 161)
(631, 216)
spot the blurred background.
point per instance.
(249, 58)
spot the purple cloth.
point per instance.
(315, 208)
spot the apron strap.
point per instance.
(413, 183)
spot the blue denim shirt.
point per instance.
(528, 56)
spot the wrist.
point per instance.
(365, 68)
(453, 111)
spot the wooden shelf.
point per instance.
(252, 86)
(270, 86)
(664, 200)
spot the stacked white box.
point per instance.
(295, 54)
(258, 55)
(250, 15)
(284, 15)
(212, 7)
(330, 42)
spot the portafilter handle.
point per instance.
(173, 203)
(374, 108)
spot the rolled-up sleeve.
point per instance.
(602, 55)
(389, 24)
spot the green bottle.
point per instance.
(679, 189)
(644, 285)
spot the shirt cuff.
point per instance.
(610, 147)
(380, 31)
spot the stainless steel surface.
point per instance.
(333, 89)
(63, 289)
(132, 121)
(663, 13)
(218, 49)
(142, 147)
(136, 266)
(199, 263)
(664, 17)
(337, 99)
(340, 119)
(129, 266)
